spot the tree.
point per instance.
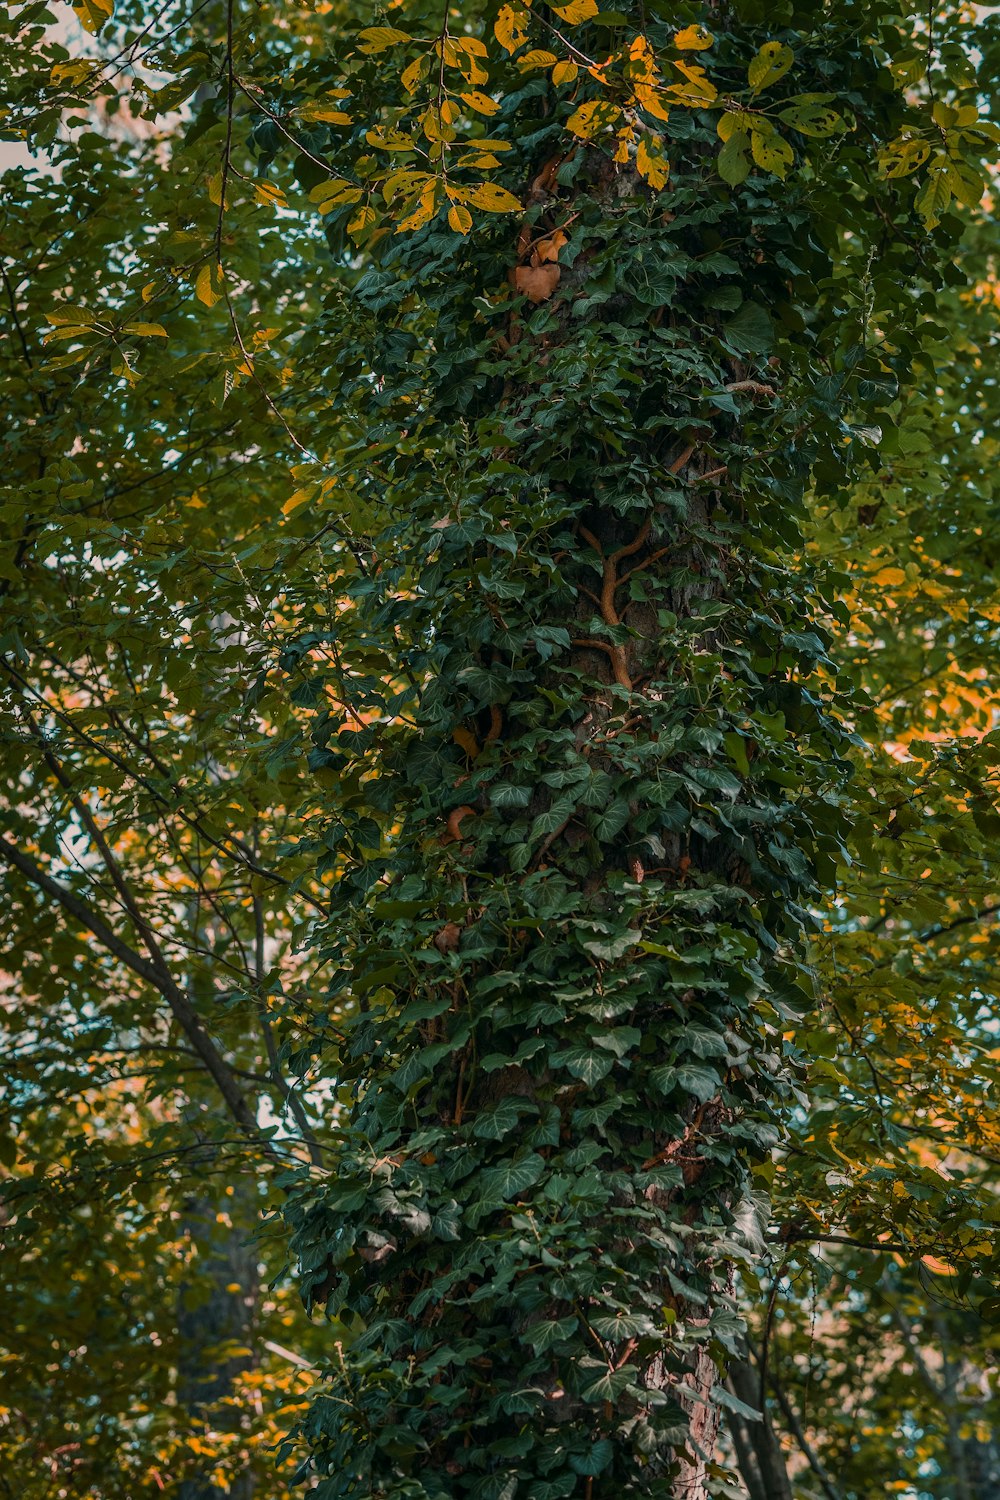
(618, 314)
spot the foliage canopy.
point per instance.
(498, 624)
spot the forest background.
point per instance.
(194, 455)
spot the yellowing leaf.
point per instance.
(536, 59)
(413, 72)
(494, 199)
(270, 194)
(361, 220)
(889, 577)
(389, 139)
(771, 153)
(935, 195)
(698, 90)
(576, 11)
(208, 284)
(380, 38)
(509, 28)
(651, 101)
(333, 194)
(481, 103)
(651, 163)
(146, 330)
(564, 72)
(771, 63)
(810, 114)
(299, 498)
(693, 39)
(459, 218)
(903, 157)
(68, 312)
(329, 114)
(593, 116)
(966, 183)
(422, 214)
(732, 121)
(92, 14)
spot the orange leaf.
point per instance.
(537, 283)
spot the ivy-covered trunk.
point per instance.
(608, 774)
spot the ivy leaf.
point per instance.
(608, 1387)
(493, 1124)
(503, 1183)
(585, 1062)
(750, 330)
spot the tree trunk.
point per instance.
(609, 799)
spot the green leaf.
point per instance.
(586, 1062)
(751, 330)
(493, 1124)
(734, 159)
(503, 1183)
(810, 114)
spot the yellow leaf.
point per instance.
(422, 214)
(481, 103)
(72, 74)
(593, 116)
(92, 14)
(329, 114)
(771, 63)
(389, 139)
(333, 194)
(564, 72)
(436, 125)
(537, 59)
(460, 219)
(771, 153)
(889, 576)
(651, 163)
(651, 102)
(698, 90)
(361, 220)
(270, 194)
(299, 498)
(475, 162)
(577, 11)
(208, 279)
(381, 38)
(413, 72)
(494, 199)
(146, 330)
(693, 39)
(509, 28)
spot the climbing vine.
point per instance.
(602, 780)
